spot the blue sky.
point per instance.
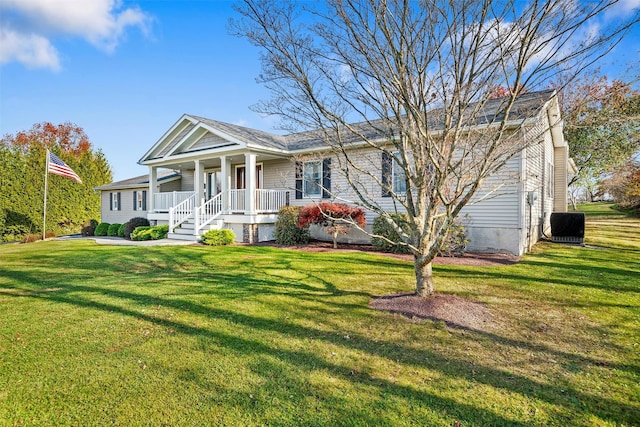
(126, 71)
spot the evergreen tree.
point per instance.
(22, 174)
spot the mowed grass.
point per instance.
(242, 336)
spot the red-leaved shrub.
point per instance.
(335, 216)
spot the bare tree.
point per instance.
(417, 78)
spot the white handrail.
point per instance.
(167, 200)
(208, 212)
(181, 212)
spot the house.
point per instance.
(207, 174)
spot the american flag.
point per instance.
(58, 167)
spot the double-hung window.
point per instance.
(115, 201)
(140, 200)
(312, 179)
(399, 178)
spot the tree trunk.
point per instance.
(424, 278)
(335, 239)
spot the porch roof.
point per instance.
(141, 181)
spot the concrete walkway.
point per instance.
(119, 241)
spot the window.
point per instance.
(399, 178)
(393, 176)
(115, 201)
(312, 179)
(140, 200)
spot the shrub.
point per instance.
(159, 232)
(146, 232)
(382, 228)
(113, 230)
(218, 237)
(14, 233)
(141, 233)
(29, 238)
(133, 223)
(286, 230)
(121, 230)
(454, 244)
(102, 229)
(335, 216)
(89, 227)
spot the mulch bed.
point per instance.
(453, 310)
(477, 259)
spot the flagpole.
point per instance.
(46, 182)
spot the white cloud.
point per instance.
(32, 24)
(624, 8)
(32, 50)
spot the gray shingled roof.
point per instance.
(139, 181)
(526, 106)
(258, 137)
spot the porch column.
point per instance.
(153, 187)
(225, 171)
(198, 182)
(250, 188)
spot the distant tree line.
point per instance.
(22, 176)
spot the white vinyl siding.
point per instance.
(125, 213)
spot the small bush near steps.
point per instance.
(156, 232)
(218, 237)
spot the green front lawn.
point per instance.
(106, 335)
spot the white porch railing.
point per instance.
(181, 212)
(208, 212)
(271, 200)
(266, 201)
(237, 201)
(162, 202)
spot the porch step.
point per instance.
(179, 236)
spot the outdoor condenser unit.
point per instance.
(567, 227)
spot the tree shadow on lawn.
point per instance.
(568, 400)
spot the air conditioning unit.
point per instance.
(567, 227)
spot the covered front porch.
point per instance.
(224, 190)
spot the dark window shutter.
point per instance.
(110, 201)
(298, 180)
(387, 165)
(326, 178)
(144, 200)
(119, 201)
(135, 200)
